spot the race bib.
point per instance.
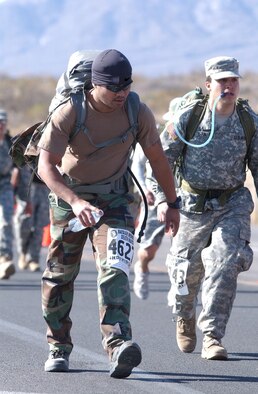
(177, 273)
(120, 249)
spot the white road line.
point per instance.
(141, 381)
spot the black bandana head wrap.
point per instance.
(111, 67)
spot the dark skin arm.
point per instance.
(51, 176)
(49, 173)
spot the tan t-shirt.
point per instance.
(83, 161)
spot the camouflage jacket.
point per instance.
(6, 164)
(221, 164)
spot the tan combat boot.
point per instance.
(186, 334)
(22, 263)
(213, 350)
(34, 266)
(7, 267)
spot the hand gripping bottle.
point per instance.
(75, 224)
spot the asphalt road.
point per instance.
(164, 368)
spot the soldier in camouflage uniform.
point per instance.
(212, 244)
(22, 214)
(31, 216)
(6, 202)
(84, 180)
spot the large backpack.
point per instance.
(242, 106)
(72, 85)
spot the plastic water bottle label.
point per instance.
(76, 225)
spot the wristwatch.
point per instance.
(176, 204)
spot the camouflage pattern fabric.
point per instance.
(6, 202)
(63, 266)
(218, 165)
(40, 218)
(6, 216)
(212, 245)
(29, 223)
(6, 164)
(22, 224)
(22, 214)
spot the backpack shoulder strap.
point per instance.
(78, 100)
(132, 108)
(196, 117)
(246, 120)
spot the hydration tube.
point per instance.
(212, 126)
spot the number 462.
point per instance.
(121, 248)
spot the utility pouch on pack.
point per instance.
(71, 86)
(19, 145)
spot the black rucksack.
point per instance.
(72, 85)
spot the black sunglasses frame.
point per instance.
(117, 88)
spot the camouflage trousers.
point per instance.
(29, 223)
(6, 217)
(210, 249)
(63, 266)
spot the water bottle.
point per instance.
(75, 224)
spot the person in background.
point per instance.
(213, 242)
(154, 230)
(84, 181)
(7, 267)
(153, 233)
(31, 216)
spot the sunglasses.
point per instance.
(117, 88)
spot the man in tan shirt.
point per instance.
(88, 175)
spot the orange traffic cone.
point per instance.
(46, 238)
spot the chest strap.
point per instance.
(119, 186)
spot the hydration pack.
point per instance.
(201, 101)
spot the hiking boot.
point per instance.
(58, 361)
(7, 268)
(33, 266)
(186, 334)
(213, 350)
(22, 263)
(124, 359)
(5, 258)
(141, 283)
